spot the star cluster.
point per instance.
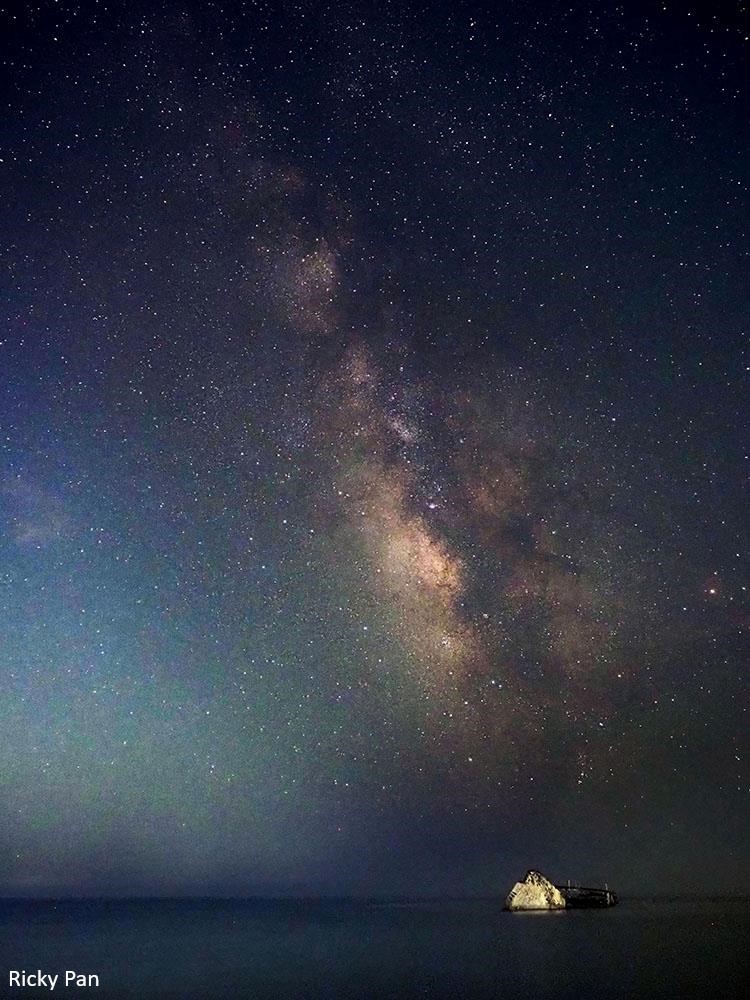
(373, 432)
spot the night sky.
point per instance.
(373, 447)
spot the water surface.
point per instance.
(682, 949)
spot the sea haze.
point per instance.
(373, 492)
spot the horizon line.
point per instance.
(324, 897)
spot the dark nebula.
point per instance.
(374, 429)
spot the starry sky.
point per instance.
(373, 447)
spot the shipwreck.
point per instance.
(536, 892)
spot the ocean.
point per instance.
(681, 949)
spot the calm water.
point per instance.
(686, 949)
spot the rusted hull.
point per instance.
(578, 897)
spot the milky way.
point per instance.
(374, 449)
